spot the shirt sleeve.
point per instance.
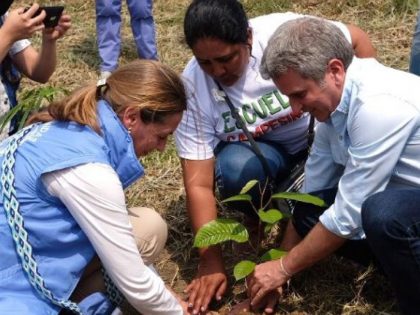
(19, 46)
(195, 136)
(343, 27)
(377, 143)
(95, 198)
(321, 172)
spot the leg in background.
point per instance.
(143, 27)
(108, 25)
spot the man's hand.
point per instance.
(211, 281)
(241, 307)
(267, 304)
(266, 279)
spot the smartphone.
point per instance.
(52, 17)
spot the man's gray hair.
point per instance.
(305, 45)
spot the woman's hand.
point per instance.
(54, 33)
(183, 303)
(211, 281)
(21, 24)
(184, 306)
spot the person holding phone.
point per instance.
(17, 55)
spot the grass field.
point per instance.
(334, 286)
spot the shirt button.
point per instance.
(340, 138)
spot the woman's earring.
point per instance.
(129, 130)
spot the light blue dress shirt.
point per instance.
(371, 142)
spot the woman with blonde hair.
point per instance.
(70, 245)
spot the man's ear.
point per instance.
(130, 116)
(336, 71)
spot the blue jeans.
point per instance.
(306, 216)
(237, 164)
(415, 49)
(108, 25)
(391, 221)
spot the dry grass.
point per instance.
(333, 286)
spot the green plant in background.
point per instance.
(222, 230)
(31, 101)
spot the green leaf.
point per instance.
(219, 231)
(243, 197)
(29, 102)
(307, 198)
(243, 269)
(248, 186)
(271, 216)
(273, 254)
(23, 120)
(8, 116)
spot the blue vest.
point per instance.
(60, 247)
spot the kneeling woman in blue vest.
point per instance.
(68, 243)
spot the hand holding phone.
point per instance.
(53, 14)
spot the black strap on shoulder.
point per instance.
(311, 132)
(251, 140)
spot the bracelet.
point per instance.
(283, 270)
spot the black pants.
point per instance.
(306, 216)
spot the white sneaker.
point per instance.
(117, 311)
(104, 75)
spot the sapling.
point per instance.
(223, 229)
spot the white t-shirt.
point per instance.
(94, 196)
(265, 110)
(17, 47)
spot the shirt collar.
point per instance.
(343, 107)
(120, 145)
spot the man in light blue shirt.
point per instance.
(365, 160)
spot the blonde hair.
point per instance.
(155, 89)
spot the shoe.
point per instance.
(104, 75)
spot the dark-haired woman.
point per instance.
(69, 243)
(227, 50)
